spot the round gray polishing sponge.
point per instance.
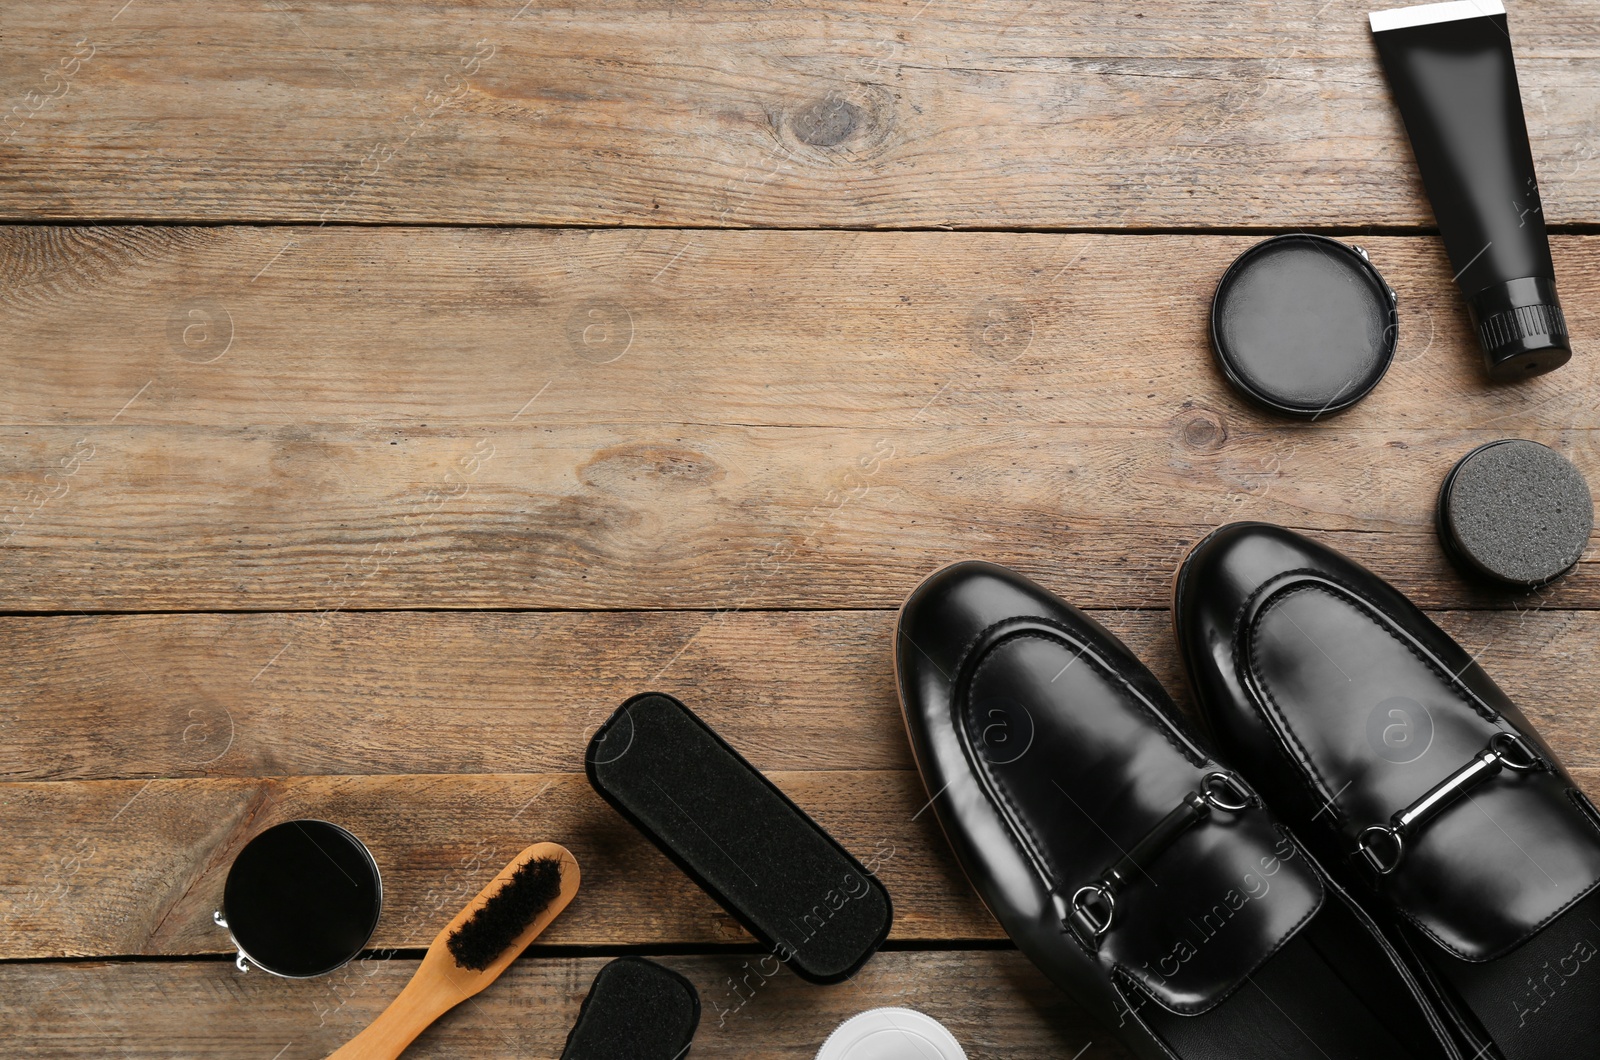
(1515, 512)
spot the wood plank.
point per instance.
(390, 330)
(114, 868)
(289, 475)
(129, 867)
(631, 112)
(996, 1004)
(333, 518)
(162, 696)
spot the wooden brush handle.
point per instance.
(439, 983)
(419, 1004)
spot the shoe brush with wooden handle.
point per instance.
(473, 949)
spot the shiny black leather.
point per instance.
(1049, 752)
(1343, 704)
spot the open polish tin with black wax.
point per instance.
(1304, 325)
(301, 899)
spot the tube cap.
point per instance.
(1515, 512)
(1303, 325)
(1521, 328)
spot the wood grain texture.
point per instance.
(694, 469)
(332, 519)
(167, 696)
(707, 459)
(137, 867)
(115, 868)
(390, 330)
(995, 1003)
(713, 113)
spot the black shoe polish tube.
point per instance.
(1452, 74)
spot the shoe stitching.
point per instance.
(1453, 681)
(1287, 734)
(1472, 700)
(1497, 954)
(1373, 610)
(1278, 944)
(1012, 816)
(1282, 746)
(1013, 819)
(977, 640)
(1581, 803)
(1055, 878)
(1016, 817)
(1058, 876)
(1155, 717)
(981, 775)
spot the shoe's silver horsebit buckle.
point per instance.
(1094, 905)
(1383, 845)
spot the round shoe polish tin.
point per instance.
(301, 899)
(1303, 325)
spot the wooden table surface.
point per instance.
(390, 390)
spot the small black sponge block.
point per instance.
(786, 880)
(1515, 512)
(636, 1010)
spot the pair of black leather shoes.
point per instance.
(1391, 863)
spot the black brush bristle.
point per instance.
(477, 943)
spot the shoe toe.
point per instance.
(948, 611)
(1230, 563)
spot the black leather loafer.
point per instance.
(1410, 775)
(1140, 874)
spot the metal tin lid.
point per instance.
(891, 1034)
(302, 898)
(1515, 512)
(1304, 325)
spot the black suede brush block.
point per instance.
(636, 1010)
(786, 880)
